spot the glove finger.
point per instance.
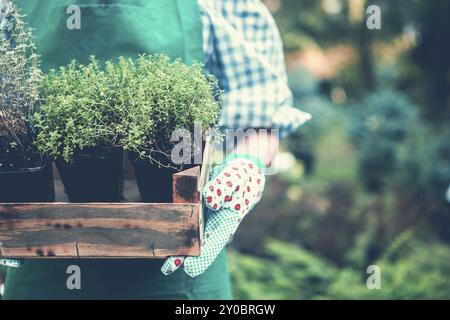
(171, 265)
(14, 263)
(220, 227)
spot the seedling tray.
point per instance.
(109, 230)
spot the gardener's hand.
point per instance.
(14, 263)
(233, 191)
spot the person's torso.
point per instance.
(66, 30)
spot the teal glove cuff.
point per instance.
(256, 160)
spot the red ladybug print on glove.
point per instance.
(229, 184)
(177, 262)
(219, 192)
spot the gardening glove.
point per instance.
(14, 263)
(234, 189)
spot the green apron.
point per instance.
(109, 29)
(113, 28)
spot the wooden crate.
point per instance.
(109, 230)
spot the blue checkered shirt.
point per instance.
(244, 50)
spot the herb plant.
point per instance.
(78, 111)
(134, 104)
(164, 96)
(20, 84)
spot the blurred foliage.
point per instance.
(424, 178)
(289, 271)
(306, 90)
(432, 60)
(372, 169)
(379, 123)
(306, 22)
(409, 270)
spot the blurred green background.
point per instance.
(364, 182)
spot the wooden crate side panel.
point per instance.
(185, 186)
(99, 230)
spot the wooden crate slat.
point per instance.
(185, 186)
(66, 250)
(99, 229)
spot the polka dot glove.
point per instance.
(235, 188)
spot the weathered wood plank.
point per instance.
(188, 184)
(185, 186)
(99, 230)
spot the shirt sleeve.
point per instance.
(244, 51)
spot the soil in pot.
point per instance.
(94, 175)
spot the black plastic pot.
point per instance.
(154, 182)
(28, 185)
(94, 177)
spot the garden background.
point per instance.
(364, 182)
